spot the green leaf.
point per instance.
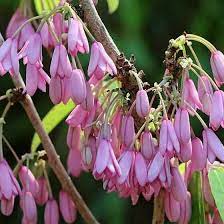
(112, 5)
(45, 5)
(198, 209)
(51, 120)
(216, 180)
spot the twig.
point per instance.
(98, 29)
(53, 158)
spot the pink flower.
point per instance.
(190, 95)
(172, 207)
(88, 102)
(178, 187)
(73, 137)
(213, 145)
(7, 206)
(16, 21)
(59, 24)
(9, 61)
(106, 160)
(47, 38)
(78, 86)
(217, 110)
(51, 213)
(217, 64)
(147, 145)
(42, 195)
(29, 208)
(185, 210)
(35, 78)
(127, 130)
(33, 50)
(142, 103)
(205, 93)
(155, 166)
(140, 169)
(168, 140)
(182, 129)
(77, 40)
(67, 207)
(61, 71)
(28, 180)
(9, 186)
(100, 62)
(74, 162)
(199, 155)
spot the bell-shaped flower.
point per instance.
(77, 40)
(142, 103)
(51, 213)
(217, 64)
(9, 61)
(100, 63)
(16, 21)
(35, 78)
(213, 145)
(217, 110)
(147, 145)
(42, 195)
(47, 38)
(205, 93)
(67, 207)
(185, 210)
(7, 205)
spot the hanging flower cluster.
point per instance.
(133, 143)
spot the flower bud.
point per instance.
(88, 102)
(67, 207)
(74, 162)
(178, 187)
(51, 213)
(147, 145)
(185, 210)
(7, 206)
(155, 166)
(140, 169)
(73, 137)
(127, 130)
(42, 194)
(28, 180)
(78, 84)
(217, 64)
(142, 103)
(172, 207)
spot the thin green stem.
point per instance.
(53, 32)
(11, 148)
(48, 183)
(208, 76)
(197, 38)
(189, 44)
(163, 104)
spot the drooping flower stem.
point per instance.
(48, 182)
(11, 148)
(189, 44)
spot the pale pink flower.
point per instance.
(47, 38)
(147, 145)
(127, 130)
(205, 93)
(213, 145)
(35, 78)
(142, 103)
(9, 61)
(16, 21)
(74, 162)
(51, 213)
(88, 102)
(77, 40)
(78, 86)
(185, 210)
(172, 207)
(28, 180)
(73, 137)
(140, 169)
(7, 205)
(217, 110)
(100, 63)
(182, 129)
(168, 141)
(217, 64)
(42, 195)
(67, 207)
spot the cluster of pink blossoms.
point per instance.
(104, 135)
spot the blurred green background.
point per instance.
(140, 27)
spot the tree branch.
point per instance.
(98, 29)
(53, 158)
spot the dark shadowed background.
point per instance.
(144, 29)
